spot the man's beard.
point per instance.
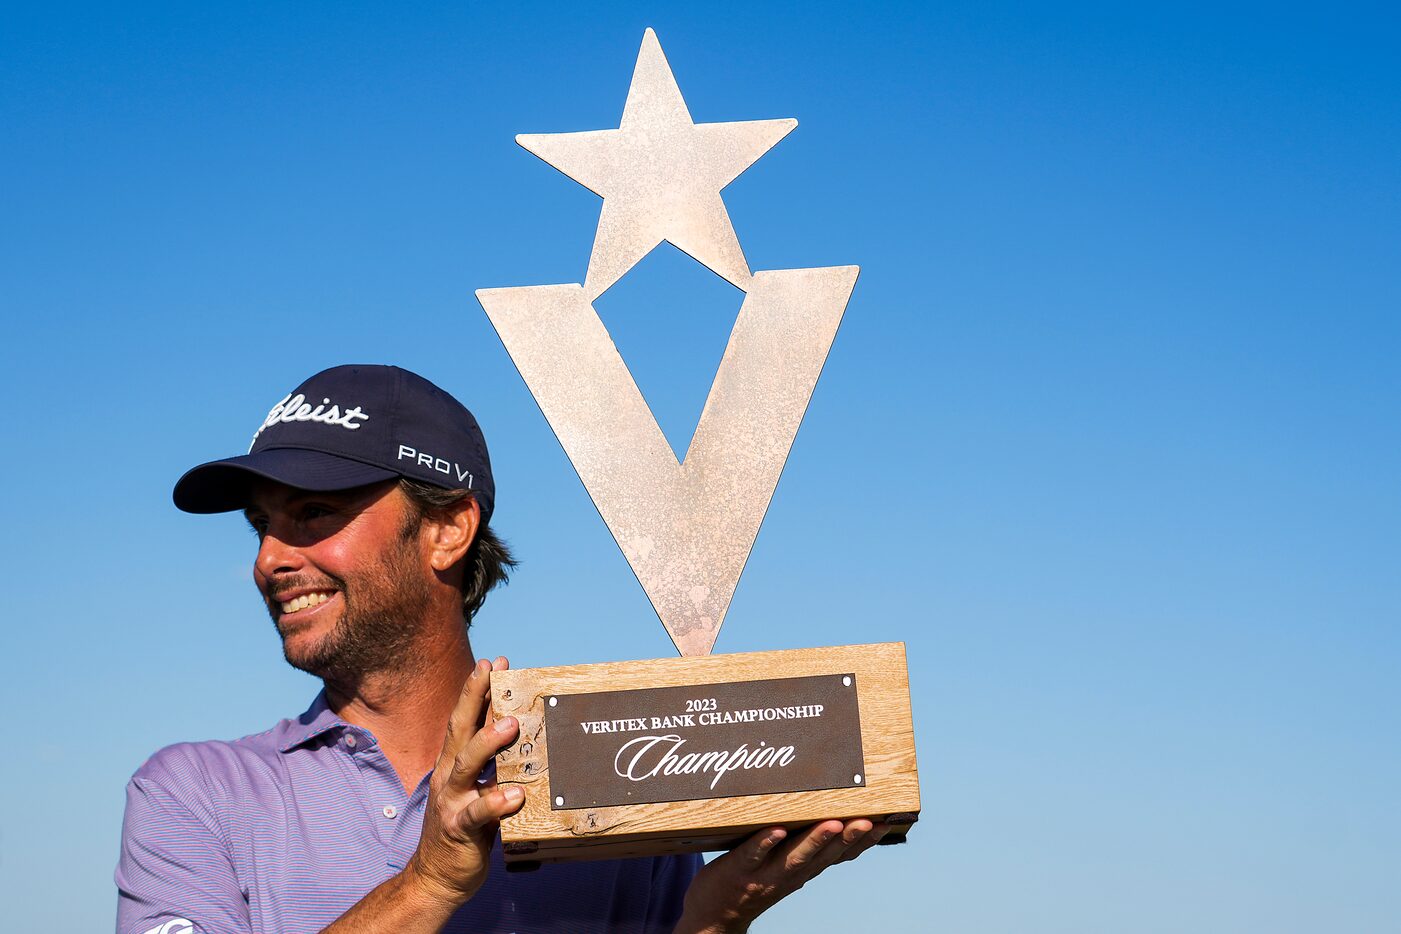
(384, 608)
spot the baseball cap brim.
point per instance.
(224, 485)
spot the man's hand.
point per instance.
(460, 823)
(729, 893)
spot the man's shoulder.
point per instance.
(217, 766)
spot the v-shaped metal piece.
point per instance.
(685, 528)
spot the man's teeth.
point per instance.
(302, 602)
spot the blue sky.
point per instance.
(1108, 436)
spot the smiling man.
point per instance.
(371, 493)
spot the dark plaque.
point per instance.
(704, 741)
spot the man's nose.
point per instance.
(276, 556)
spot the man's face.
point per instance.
(344, 577)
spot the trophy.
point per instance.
(697, 752)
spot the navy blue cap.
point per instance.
(351, 426)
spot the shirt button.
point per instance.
(350, 740)
(390, 811)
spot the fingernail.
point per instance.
(505, 725)
(514, 793)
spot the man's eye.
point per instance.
(316, 512)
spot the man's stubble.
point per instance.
(384, 608)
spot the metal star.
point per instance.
(660, 176)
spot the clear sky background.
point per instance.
(1109, 436)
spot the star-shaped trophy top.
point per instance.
(660, 175)
(685, 526)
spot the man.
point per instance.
(371, 493)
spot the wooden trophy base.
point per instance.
(689, 754)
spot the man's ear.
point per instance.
(451, 532)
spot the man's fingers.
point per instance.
(760, 846)
(842, 843)
(491, 807)
(498, 664)
(466, 717)
(855, 830)
(832, 852)
(473, 757)
(806, 848)
(871, 838)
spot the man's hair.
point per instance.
(488, 561)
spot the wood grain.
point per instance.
(537, 833)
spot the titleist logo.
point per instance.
(649, 756)
(297, 409)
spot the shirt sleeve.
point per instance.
(174, 875)
(671, 877)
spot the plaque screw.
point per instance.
(856, 779)
(846, 681)
(559, 801)
(554, 701)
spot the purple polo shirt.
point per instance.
(285, 830)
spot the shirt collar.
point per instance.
(318, 719)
